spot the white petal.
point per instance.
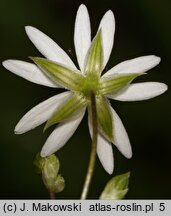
(136, 65)
(107, 26)
(48, 47)
(104, 151)
(41, 113)
(105, 154)
(29, 72)
(61, 134)
(140, 91)
(82, 35)
(121, 139)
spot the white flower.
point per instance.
(68, 108)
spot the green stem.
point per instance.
(93, 149)
(52, 195)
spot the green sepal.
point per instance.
(116, 188)
(114, 84)
(68, 109)
(38, 162)
(50, 170)
(59, 73)
(104, 117)
(59, 184)
(94, 64)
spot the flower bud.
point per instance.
(50, 171)
(116, 188)
(38, 162)
(59, 184)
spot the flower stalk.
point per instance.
(92, 160)
(52, 194)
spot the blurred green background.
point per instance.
(143, 27)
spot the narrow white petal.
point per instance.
(29, 72)
(140, 91)
(136, 65)
(104, 151)
(120, 135)
(82, 35)
(61, 134)
(105, 154)
(41, 113)
(107, 26)
(48, 47)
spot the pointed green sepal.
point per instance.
(38, 162)
(50, 170)
(114, 84)
(104, 117)
(94, 64)
(116, 188)
(59, 73)
(67, 110)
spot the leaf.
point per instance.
(104, 117)
(116, 188)
(95, 57)
(68, 109)
(59, 73)
(114, 84)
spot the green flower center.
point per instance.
(90, 84)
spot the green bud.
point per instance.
(116, 188)
(59, 184)
(50, 171)
(38, 162)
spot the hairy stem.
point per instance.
(93, 149)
